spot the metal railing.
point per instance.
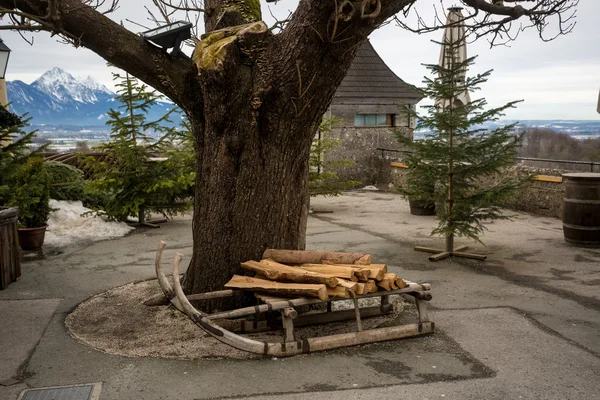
(547, 160)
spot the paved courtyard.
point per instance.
(523, 324)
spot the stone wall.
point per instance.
(537, 197)
(359, 144)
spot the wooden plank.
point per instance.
(547, 178)
(397, 164)
(315, 257)
(10, 263)
(334, 316)
(369, 336)
(287, 289)
(279, 272)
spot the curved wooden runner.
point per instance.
(205, 322)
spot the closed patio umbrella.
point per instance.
(454, 34)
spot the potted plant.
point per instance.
(420, 195)
(32, 196)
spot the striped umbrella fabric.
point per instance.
(454, 33)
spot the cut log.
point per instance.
(282, 289)
(392, 279)
(371, 286)
(339, 272)
(349, 285)
(384, 284)
(400, 283)
(282, 272)
(376, 271)
(361, 287)
(339, 292)
(316, 257)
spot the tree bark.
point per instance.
(261, 106)
(254, 104)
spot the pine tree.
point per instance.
(322, 178)
(15, 148)
(458, 156)
(128, 181)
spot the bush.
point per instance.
(32, 193)
(66, 181)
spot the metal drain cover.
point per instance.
(90, 391)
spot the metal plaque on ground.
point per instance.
(90, 391)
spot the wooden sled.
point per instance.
(220, 326)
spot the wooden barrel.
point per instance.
(581, 209)
(10, 264)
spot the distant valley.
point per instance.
(68, 109)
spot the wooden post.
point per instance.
(422, 309)
(287, 316)
(385, 304)
(359, 327)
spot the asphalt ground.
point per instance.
(524, 323)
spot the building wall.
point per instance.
(359, 144)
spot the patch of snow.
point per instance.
(369, 187)
(66, 225)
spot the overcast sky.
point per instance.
(556, 80)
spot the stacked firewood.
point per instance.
(325, 275)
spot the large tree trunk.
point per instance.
(250, 194)
(261, 105)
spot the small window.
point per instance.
(359, 120)
(374, 119)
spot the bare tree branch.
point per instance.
(496, 19)
(84, 23)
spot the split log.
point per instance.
(371, 286)
(400, 283)
(376, 271)
(286, 289)
(392, 279)
(349, 285)
(316, 257)
(280, 272)
(384, 284)
(339, 292)
(361, 287)
(339, 272)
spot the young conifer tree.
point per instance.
(461, 158)
(322, 176)
(128, 181)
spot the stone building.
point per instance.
(367, 102)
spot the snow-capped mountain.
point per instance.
(59, 98)
(64, 87)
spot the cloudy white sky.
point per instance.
(557, 80)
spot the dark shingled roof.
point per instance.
(370, 78)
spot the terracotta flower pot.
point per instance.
(32, 238)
